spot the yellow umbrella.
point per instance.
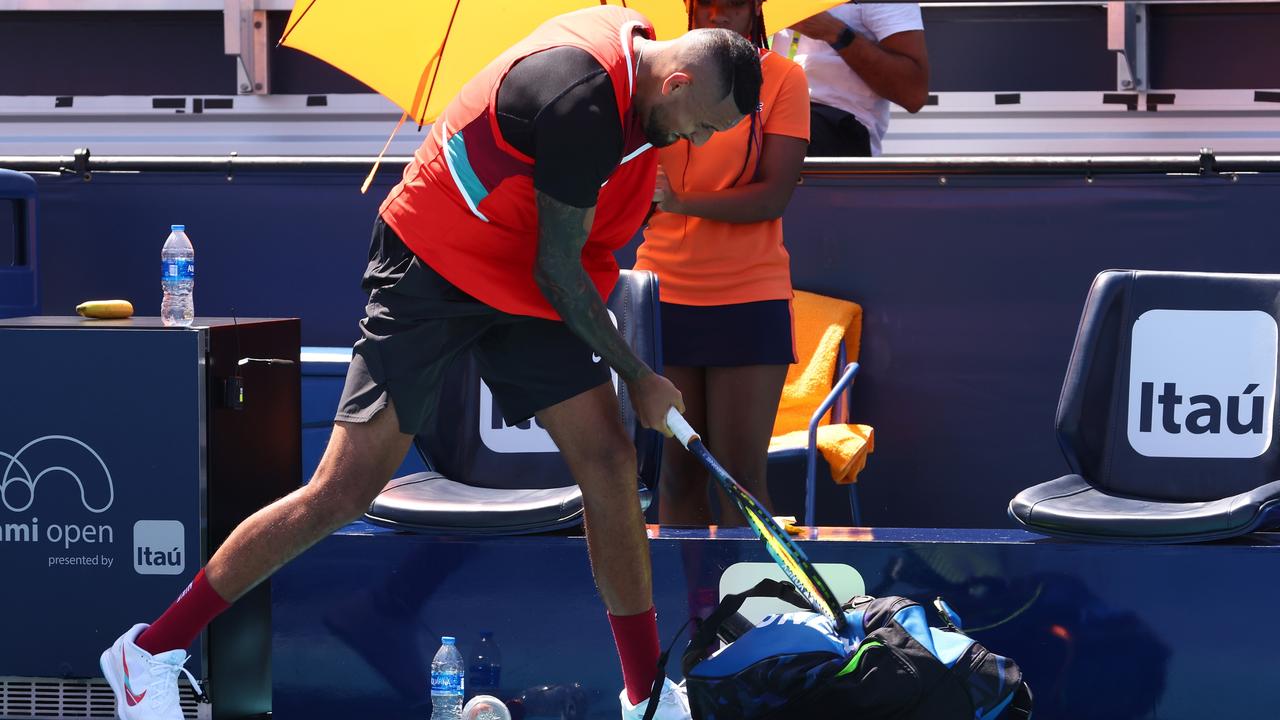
(419, 53)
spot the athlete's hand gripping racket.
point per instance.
(788, 555)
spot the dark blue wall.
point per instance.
(284, 245)
(971, 290)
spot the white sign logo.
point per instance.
(78, 474)
(1202, 383)
(159, 547)
(525, 437)
(498, 436)
(19, 481)
(845, 581)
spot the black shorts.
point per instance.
(417, 323)
(754, 333)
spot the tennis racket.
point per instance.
(785, 552)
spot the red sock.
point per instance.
(637, 640)
(178, 627)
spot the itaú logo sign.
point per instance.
(1202, 383)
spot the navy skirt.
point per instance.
(754, 333)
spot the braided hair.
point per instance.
(756, 34)
(758, 38)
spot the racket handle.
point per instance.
(680, 427)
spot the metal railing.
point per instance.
(84, 164)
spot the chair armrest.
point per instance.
(840, 410)
(846, 378)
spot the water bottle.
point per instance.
(484, 676)
(178, 278)
(447, 682)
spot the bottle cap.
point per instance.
(178, 228)
(447, 640)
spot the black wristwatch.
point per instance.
(846, 38)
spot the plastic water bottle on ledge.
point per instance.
(447, 681)
(484, 676)
(177, 278)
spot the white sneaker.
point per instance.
(145, 685)
(673, 704)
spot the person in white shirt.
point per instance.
(858, 57)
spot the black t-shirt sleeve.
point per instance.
(558, 107)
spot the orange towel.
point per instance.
(845, 448)
(820, 324)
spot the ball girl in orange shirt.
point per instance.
(715, 242)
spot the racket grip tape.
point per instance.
(680, 427)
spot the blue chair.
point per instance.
(488, 478)
(824, 326)
(1167, 415)
(836, 402)
(19, 291)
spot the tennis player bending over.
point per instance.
(499, 241)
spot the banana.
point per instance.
(105, 309)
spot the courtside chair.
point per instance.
(486, 478)
(813, 415)
(1167, 416)
(19, 292)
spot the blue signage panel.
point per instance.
(1101, 631)
(101, 450)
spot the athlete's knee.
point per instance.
(336, 500)
(333, 510)
(353, 506)
(609, 455)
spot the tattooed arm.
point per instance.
(562, 231)
(576, 142)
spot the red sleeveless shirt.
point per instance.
(466, 205)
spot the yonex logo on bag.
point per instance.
(1202, 383)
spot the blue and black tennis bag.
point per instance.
(887, 663)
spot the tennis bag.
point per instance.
(887, 663)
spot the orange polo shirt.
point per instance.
(709, 262)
